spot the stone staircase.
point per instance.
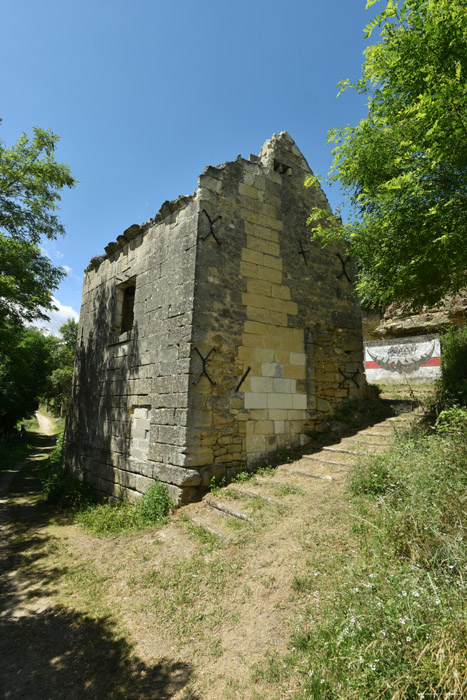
(323, 468)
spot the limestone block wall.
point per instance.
(213, 335)
(128, 418)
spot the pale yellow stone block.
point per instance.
(293, 346)
(255, 314)
(248, 191)
(280, 400)
(258, 414)
(283, 386)
(282, 356)
(297, 358)
(256, 400)
(261, 384)
(296, 415)
(246, 353)
(256, 286)
(264, 354)
(250, 427)
(272, 342)
(271, 261)
(271, 369)
(256, 443)
(278, 318)
(299, 401)
(264, 427)
(253, 256)
(255, 368)
(279, 426)
(296, 426)
(280, 291)
(294, 372)
(259, 244)
(265, 233)
(255, 327)
(245, 386)
(273, 249)
(278, 414)
(252, 341)
(269, 221)
(247, 269)
(268, 273)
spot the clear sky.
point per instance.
(145, 93)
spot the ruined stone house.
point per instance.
(214, 334)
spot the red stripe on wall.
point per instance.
(432, 362)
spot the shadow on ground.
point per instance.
(49, 652)
(60, 654)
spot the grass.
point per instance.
(64, 490)
(104, 519)
(392, 625)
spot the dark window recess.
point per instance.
(128, 308)
(282, 169)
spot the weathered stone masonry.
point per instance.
(213, 334)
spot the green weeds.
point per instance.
(108, 519)
(63, 489)
(393, 624)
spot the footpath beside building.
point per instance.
(214, 334)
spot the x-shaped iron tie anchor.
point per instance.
(204, 360)
(344, 262)
(303, 251)
(211, 227)
(351, 378)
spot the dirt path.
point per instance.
(203, 608)
(46, 426)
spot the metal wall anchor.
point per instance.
(204, 360)
(351, 378)
(344, 263)
(211, 227)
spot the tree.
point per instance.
(58, 392)
(404, 167)
(30, 183)
(25, 367)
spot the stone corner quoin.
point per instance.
(214, 334)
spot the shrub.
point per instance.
(110, 518)
(155, 505)
(60, 486)
(453, 384)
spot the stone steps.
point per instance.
(321, 469)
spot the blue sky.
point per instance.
(145, 94)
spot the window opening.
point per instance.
(125, 304)
(128, 308)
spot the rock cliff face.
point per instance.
(397, 322)
(213, 334)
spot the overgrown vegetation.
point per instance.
(63, 489)
(403, 167)
(15, 449)
(395, 626)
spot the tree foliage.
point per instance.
(25, 365)
(58, 393)
(404, 167)
(30, 184)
